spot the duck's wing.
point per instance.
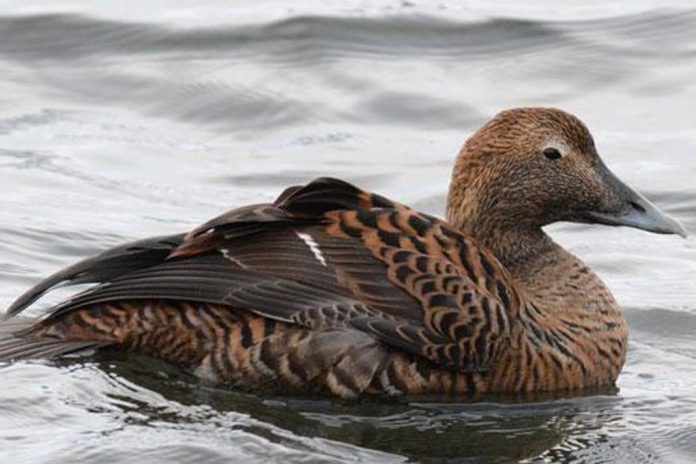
(108, 265)
(331, 255)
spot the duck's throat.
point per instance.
(515, 246)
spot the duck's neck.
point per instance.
(509, 233)
(554, 279)
(514, 246)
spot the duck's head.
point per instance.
(530, 167)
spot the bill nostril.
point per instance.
(636, 206)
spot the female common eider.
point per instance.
(336, 290)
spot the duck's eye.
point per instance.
(552, 153)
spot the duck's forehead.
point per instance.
(566, 128)
(538, 128)
(527, 130)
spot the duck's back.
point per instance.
(330, 288)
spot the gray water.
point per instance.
(129, 119)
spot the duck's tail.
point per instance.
(18, 343)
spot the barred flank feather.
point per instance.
(17, 343)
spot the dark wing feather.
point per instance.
(103, 267)
(213, 279)
(349, 271)
(297, 205)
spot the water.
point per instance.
(146, 118)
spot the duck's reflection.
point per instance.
(548, 428)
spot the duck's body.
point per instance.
(337, 290)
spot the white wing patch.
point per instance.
(313, 246)
(227, 255)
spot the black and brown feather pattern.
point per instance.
(336, 290)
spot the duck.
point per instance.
(335, 290)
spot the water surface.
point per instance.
(144, 119)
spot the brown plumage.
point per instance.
(336, 290)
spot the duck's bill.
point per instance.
(652, 220)
(631, 209)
